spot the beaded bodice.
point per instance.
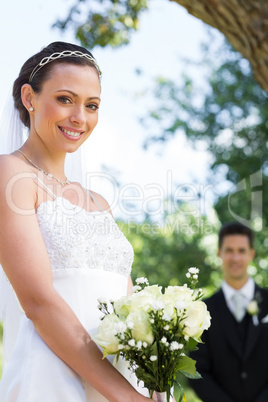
(76, 238)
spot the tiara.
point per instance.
(60, 55)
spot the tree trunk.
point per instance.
(245, 25)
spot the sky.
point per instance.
(167, 35)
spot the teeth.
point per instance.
(70, 132)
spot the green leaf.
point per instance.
(192, 344)
(196, 376)
(187, 365)
(178, 392)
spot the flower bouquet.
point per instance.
(154, 330)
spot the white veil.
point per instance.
(12, 136)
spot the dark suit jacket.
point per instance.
(232, 373)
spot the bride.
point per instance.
(60, 247)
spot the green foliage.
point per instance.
(108, 22)
(228, 116)
(164, 252)
(187, 367)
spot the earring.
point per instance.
(31, 109)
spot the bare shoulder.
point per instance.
(10, 164)
(103, 203)
(16, 180)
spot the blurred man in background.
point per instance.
(233, 360)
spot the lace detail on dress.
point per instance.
(76, 238)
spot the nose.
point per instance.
(236, 256)
(78, 115)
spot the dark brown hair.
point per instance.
(43, 73)
(235, 228)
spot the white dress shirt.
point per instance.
(247, 291)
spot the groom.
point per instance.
(233, 360)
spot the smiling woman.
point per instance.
(60, 247)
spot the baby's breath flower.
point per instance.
(120, 327)
(142, 280)
(152, 321)
(144, 344)
(139, 344)
(153, 358)
(186, 337)
(188, 275)
(102, 300)
(164, 341)
(131, 342)
(166, 327)
(175, 345)
(166, 317)
(193, 270)
(120, 347)
(195, 276)
(135, 289)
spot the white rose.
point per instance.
(105, 336)
(141, 329)
(153, 290)
(252, 307)
(176, 296)
(197, 320)
(122, 306)
(120, 327)
(145, 298)
(179, 293)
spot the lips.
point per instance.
(71, 133)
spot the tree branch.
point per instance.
(245, 25)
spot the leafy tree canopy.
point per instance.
(228, 115)
(107, 22)
(165, 251)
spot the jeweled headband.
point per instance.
(60, 55)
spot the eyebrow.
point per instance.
(74, 94)
(239, 249)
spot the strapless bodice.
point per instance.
(76, 238)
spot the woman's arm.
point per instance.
(25, 260)
(129, 285)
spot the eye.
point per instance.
(93, 106)
(64, 99)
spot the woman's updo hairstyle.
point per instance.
(42, 73)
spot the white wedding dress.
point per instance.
(90, 258)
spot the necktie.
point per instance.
(239, 306)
